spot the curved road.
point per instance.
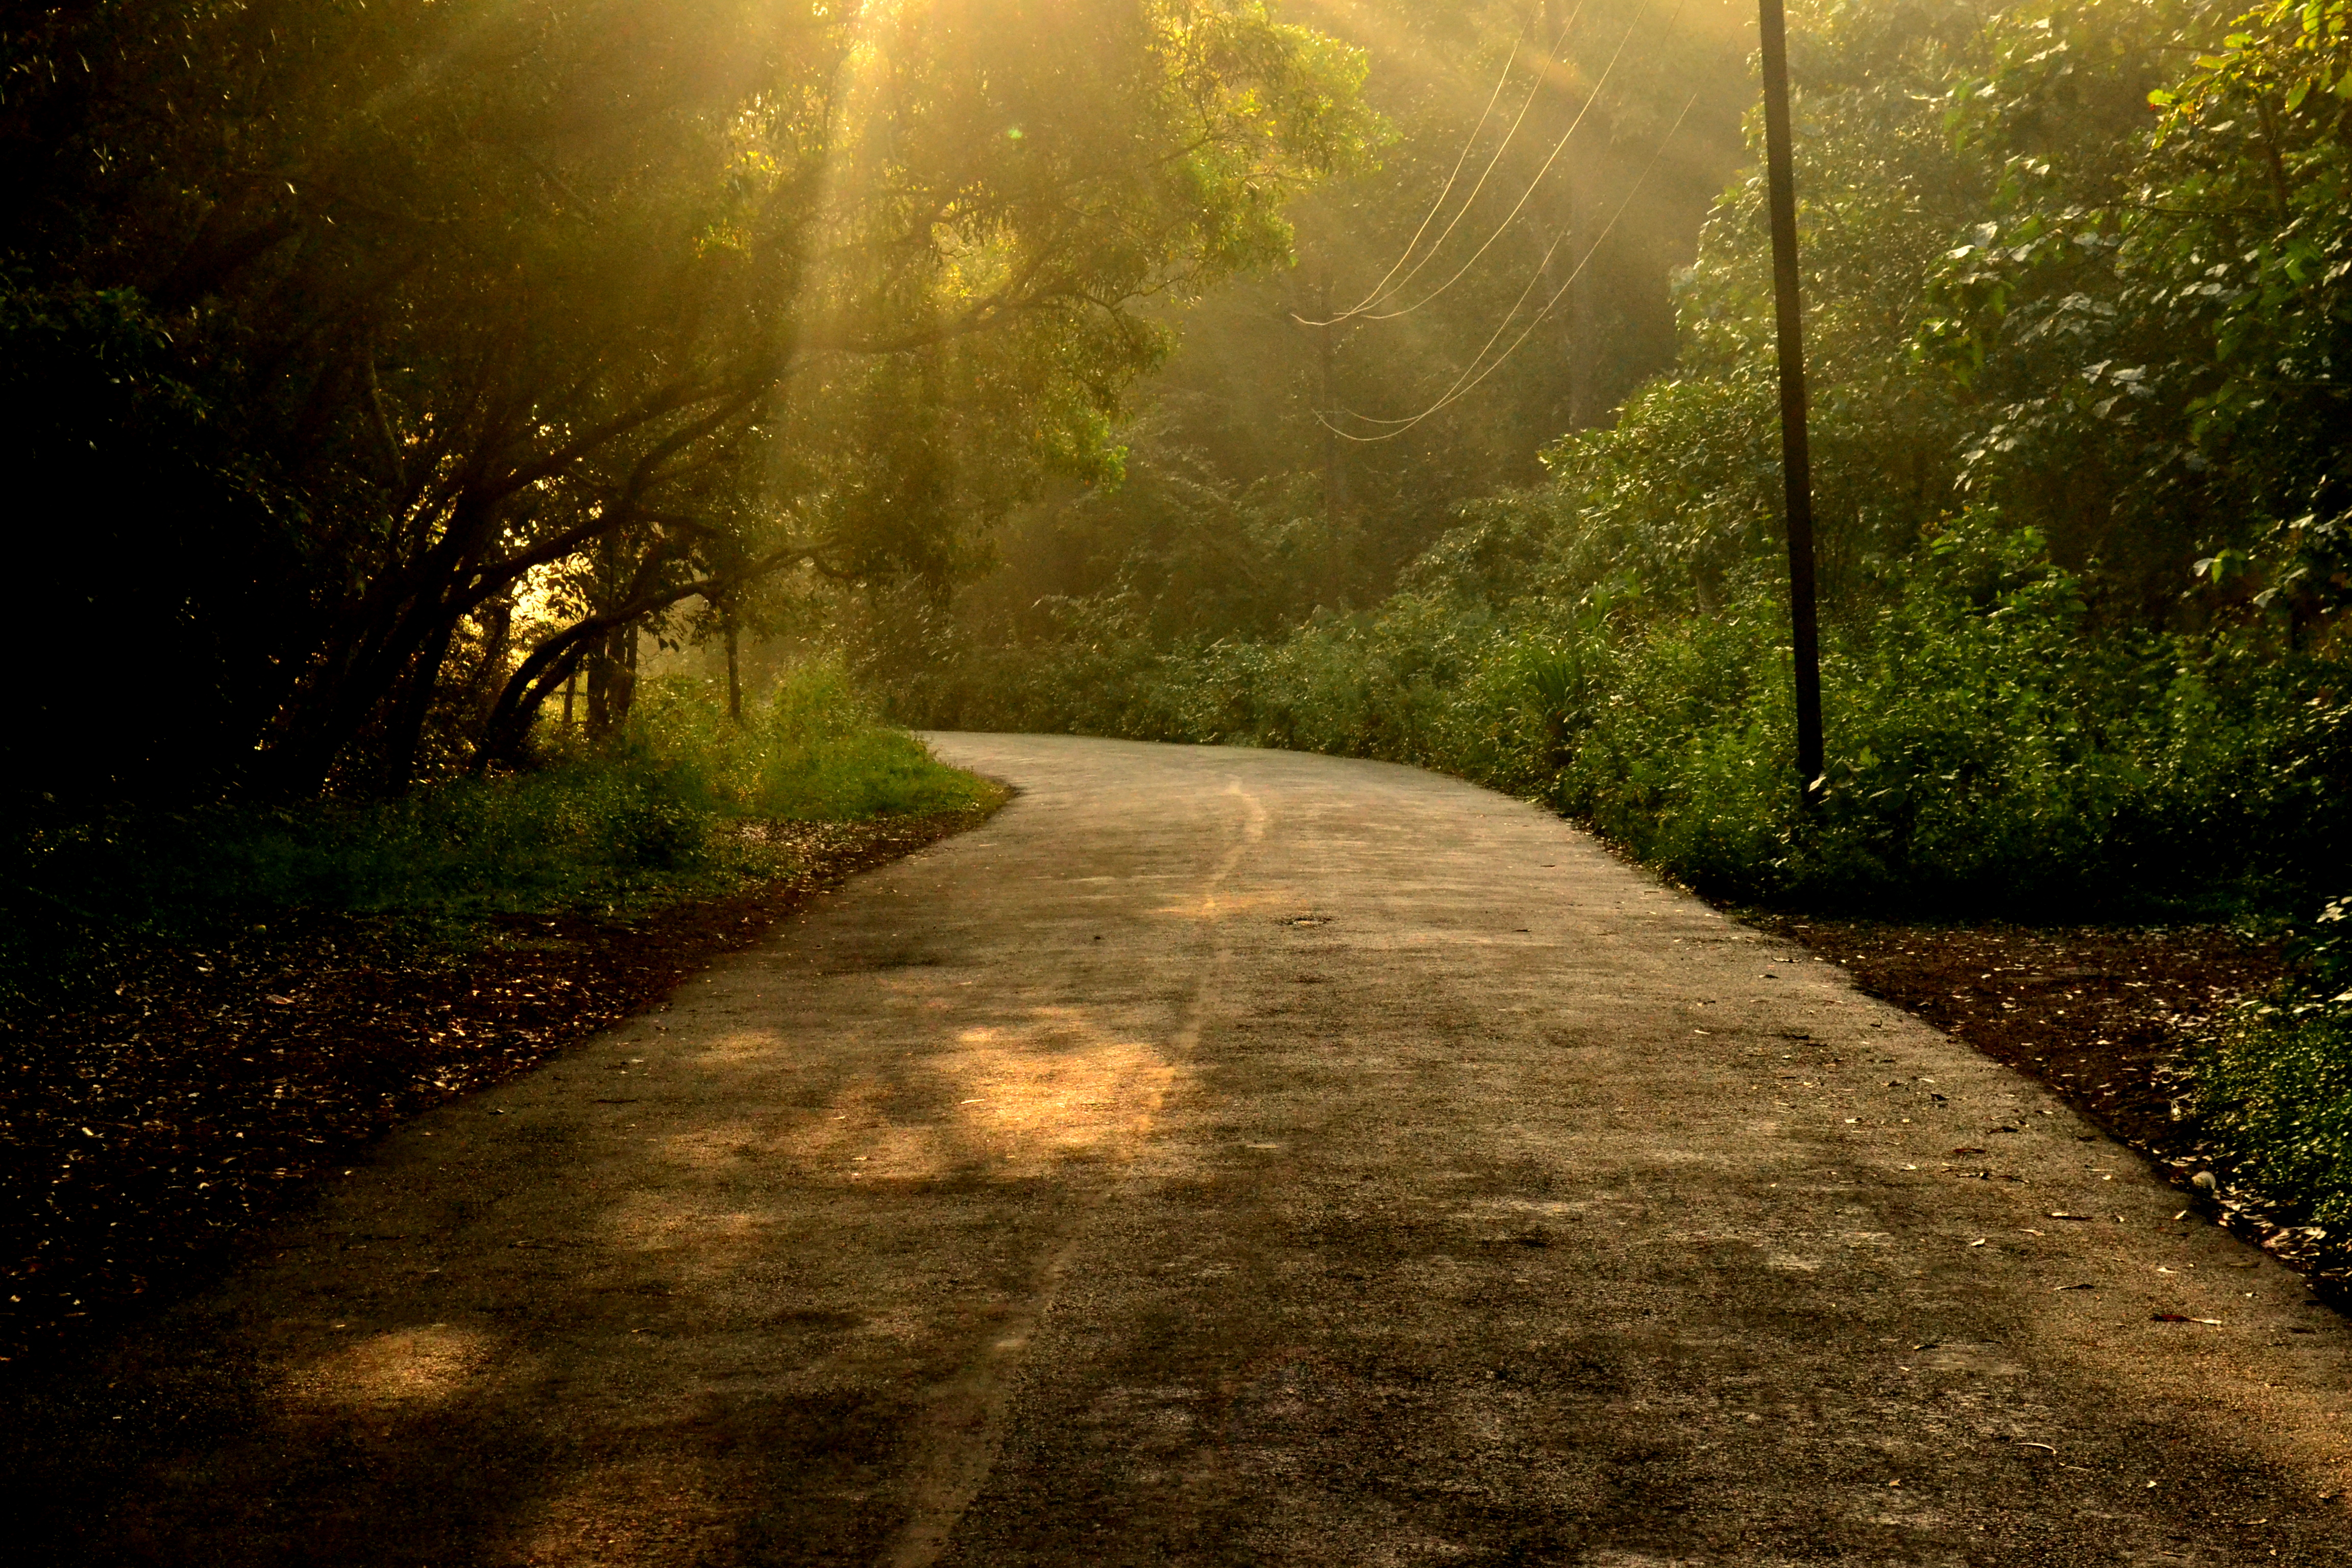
(1230, 1157)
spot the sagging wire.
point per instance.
(1384, 292)
(1592, 98)
(1464, 384)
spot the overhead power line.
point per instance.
(1390, 284)
(1467, 380)
(1510, 218)
(1456, 173)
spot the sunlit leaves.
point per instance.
(589, 300)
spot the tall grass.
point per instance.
(816, 751)
(661, 815)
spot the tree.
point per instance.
(571, 299)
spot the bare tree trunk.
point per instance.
(498, 632)
(600, 686)
(625, 675)
(734, 672)
(404, 735)
(571, 687)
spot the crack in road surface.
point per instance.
(1235, 1157)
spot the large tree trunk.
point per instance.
(406, 731)
(734, 672)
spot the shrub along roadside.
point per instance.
(2273, 1091)
(1992, 750)
(675, 812)
(217, 1046)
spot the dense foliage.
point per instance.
(370, 368)
(1547, 166)
(2074, 320)
(2274, 1088)
(674, 807)
(1994, 754)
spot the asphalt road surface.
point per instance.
(1227, 1157)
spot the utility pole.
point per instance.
(1796, 458)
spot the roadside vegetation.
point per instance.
(205, 1010)
(680, 805)
(2273, 1085)
(1996, 755)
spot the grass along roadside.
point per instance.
(233, 1019)
(681, 808)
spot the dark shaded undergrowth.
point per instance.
(204, 1013)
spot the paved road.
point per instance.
(1227, 1158)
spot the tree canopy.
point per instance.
(371, 362)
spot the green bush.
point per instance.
(816, 750)
(646, 821)
(1992, 746)
(2273, 1085)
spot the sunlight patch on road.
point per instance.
(1056, 1088)
(1224, 906)
(408, 1367)
(1013, 1100)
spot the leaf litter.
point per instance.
(143, 1132)
(2100, 1014)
